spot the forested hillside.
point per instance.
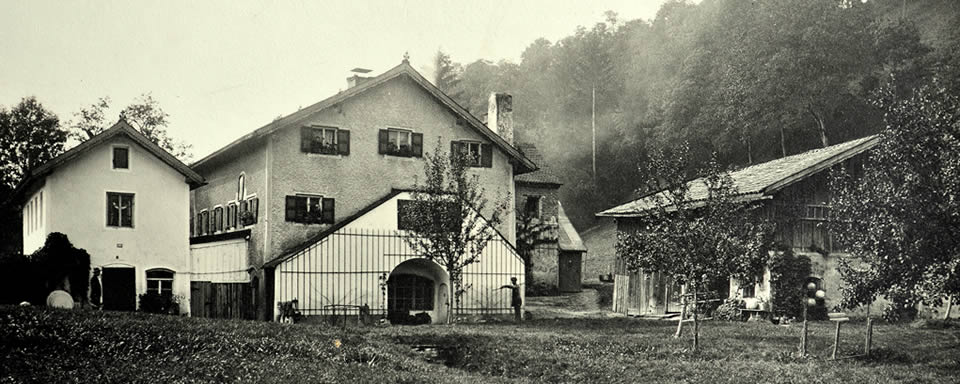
(748, 80)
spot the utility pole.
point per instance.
(593, 126)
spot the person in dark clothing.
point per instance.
(95, 289)
(515, 300)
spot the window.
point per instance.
(241, 187)
(121, 158)
(160, 281)
(749, 289)
(531, 207)
(231, 215)
(475, 154)
(310, 209)
(325, 140)
(446, 216)
(120, 209)
(204, 222)
(411, 292)
(400, 142)
(217, 220)
(251, 211)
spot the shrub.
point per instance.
(20, 280)
(152, 302)
(788, 276)
(729, 310)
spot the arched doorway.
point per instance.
(414, 287)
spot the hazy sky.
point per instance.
(223, 69)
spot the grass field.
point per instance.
(50, 346)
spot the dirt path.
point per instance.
(568, 306)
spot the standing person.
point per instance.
(515, 300)
(95, 289)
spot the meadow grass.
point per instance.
(40, 345)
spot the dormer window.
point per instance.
(121, 158)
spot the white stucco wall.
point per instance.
(34, 222)
(76, 201)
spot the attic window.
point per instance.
(121, 158)
(310, 209)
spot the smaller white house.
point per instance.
(126, 202)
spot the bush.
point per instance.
(58, 265)
(788, 276)
(729, 310)
(20, 280)
(152, 302)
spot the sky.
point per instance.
(221, 69)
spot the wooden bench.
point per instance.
(756, 314)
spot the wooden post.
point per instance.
(869, 340)
(803, 336)
(696, 323)
(836, 341)
(683, 313)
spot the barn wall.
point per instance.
(220, 262)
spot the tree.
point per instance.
(531, 233)
(451, 221)
(144, 114)
(899, 215)
(30, 135)
(695, 240)
(446, 74)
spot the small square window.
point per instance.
(121, 158)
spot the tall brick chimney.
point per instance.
(500, 115)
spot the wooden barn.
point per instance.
(363, 264)
(795, 185)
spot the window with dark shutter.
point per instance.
(400, 142)
(531, 207)
(308, 209)
(254, 206)
(218, 212)
(120, 209)
(323, 140)
(486, 155)
(204, 222)
(329, 207)
(121, 158)
(474, 153)
(343, 142)
(199, 225)
(417, 145)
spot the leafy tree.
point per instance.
(63, 266)
(531, 233)
(451, 221)
(30, 135)
(695, 240)
(144, 114)
(446, 74)
(900, 215)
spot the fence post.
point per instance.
(803, 337)
(836, 341)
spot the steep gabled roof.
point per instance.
(762, 180)
(569, 238)
(120, 128)
(543, 175)
(522, 163)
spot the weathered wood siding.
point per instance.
(220, 262)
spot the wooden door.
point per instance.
(119, 289)
(570, 268)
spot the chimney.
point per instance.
(500, 115)
(356, 79)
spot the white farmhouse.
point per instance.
(126, 202)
